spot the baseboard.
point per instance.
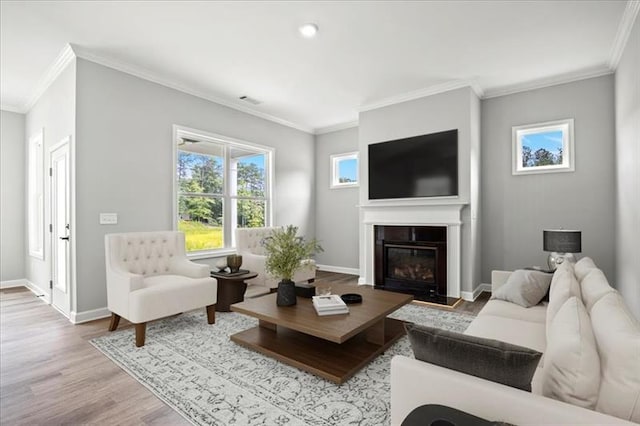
(470, 296)
(13, 283)
(92, 315)
(362, 281)
(339, 269)
(23, 282)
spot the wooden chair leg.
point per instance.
(115, 320)
(211, 314)
(140, 332)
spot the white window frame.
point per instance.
(335, 170)
(228, 211)
(519, 132)
(35, 194)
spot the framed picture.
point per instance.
(543, 147)
(344, 170)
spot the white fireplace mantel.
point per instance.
(388, 214)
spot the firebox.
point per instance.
(412, 259)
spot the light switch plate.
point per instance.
(108, 218)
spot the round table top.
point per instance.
(234, 276)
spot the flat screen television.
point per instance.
(416, 167)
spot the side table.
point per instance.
(231, 288)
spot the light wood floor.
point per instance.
(51, 375)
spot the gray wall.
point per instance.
(55, 112)
(455, 109)
(124, 162)
(336, 209)
(627, 104)
(12, 196)
(515, 209)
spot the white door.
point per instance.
(60, 231)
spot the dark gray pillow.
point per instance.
(524, 287)
(489, 359)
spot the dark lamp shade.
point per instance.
(562, 241)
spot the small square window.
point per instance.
(344, 170)
(543, 147)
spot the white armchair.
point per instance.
(150, 277)
(249, 246)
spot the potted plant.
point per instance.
(285, 251)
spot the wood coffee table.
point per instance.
(334, 347)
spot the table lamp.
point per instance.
(561, 244)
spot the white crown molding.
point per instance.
(548, 82)
(64, 58)
(421, 93)
(153, 77)
(335, 127)
(624, 31)
(11, 108)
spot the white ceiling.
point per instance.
(366, 51)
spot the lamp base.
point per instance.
(555, 259)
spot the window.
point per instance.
(344, 170)
(221, 184)
(35, 194)
(543, 147)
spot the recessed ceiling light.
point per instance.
(308, 30)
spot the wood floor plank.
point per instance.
(50, 374)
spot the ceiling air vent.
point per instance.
(250, 100)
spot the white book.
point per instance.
(328, 303)
(333, 312)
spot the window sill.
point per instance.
(210, 254)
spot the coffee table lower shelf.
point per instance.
(336, 362)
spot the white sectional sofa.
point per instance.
(615, 398)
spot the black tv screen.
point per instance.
(420, 166)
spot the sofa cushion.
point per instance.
(165, 295)
(583, 267)
(617, 333)
(523, 287)
(563, 286)
(593, 286)
(517, 332)
(500, 308)
(489, 359)
(571, 371)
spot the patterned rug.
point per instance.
(198, 371)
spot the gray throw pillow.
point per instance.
(489, 359)
(525, 288)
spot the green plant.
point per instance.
(285, 250)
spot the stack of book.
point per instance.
(329, 305)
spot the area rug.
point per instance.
(198, 371)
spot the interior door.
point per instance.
(60, 230)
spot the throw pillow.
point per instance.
(525, 288)
(571, 371)
(618, 335)
(583, 267)
(493, 360)
(563, 286)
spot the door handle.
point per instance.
(64, 238)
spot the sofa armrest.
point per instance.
(415, 383)
(498, 278)
(120, 284)
(187, 268)
(255, 263)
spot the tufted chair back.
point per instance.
(250, 239)
(146, 253)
